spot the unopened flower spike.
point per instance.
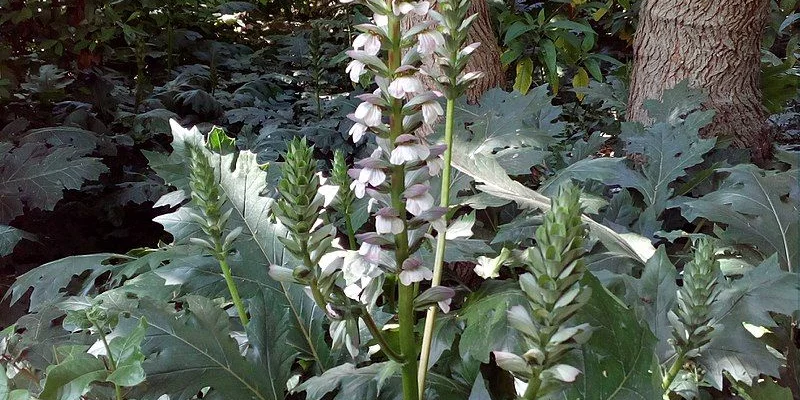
(555, 293)
(692, 320)
(210, 200)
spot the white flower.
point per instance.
(469, 49)
(380, 20)
(490, 267)
(428, 40)
(435, 166)
(387, 221)
(357, 131)
(418, 200)
(369, 114)
(470, 76)
(405, 85)
(405, 7)
(356, 69)
(371, 169)
(407, 148)
(370, 252)
(358, 188)
(354, 266)
(327, 191)
(369, 41)
(435, 163)
(414, 271)
(431, 110)
(373, 176)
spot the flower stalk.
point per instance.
(452, 54)
(692, 320)
(555, 293)
(210, 200)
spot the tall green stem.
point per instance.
(405, 301)
(534, 384)
(672, 373)
(113, 366)
(441, 242)
(237, 301)
(351, 234)
(378, 335)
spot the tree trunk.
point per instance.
(716, 45)
(486, 58)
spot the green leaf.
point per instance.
(549, 57)
(653, 296)
(39, 333)
(192, 349)
(524, 75)
(493, 180)
(764, 389)
(50, 280)
(570, 25)
(618, 361)
(485, 316)
(352, 382)
(126, 350)
(268, 327)
(9, 237)
(33, 176)
(516, 30)
(759, 208)
(380, 381)
(479, 391)
(4, 386)
(72, 378)
(762, 290)
(508, 120)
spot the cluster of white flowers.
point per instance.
(401, 113)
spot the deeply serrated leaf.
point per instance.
(750, 299)
(759, 208)
(49, 280)
(485, 316)
(33, 176)
(190, 350)
(493, 180)
(618, 362)
(653, 296)
(521, 124)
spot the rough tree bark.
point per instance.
(486, 58)
(716, 45)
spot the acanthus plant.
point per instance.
(401, 113)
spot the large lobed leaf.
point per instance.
(664, 151)
(759, 208)
(494, 181)
(513, 128)
(762, 290)
(34, 176)
(618, 361)
(485, 316)
(653, 296)
(192, 349)
(50, 280)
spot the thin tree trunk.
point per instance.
(486, 58)
(716, 45)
